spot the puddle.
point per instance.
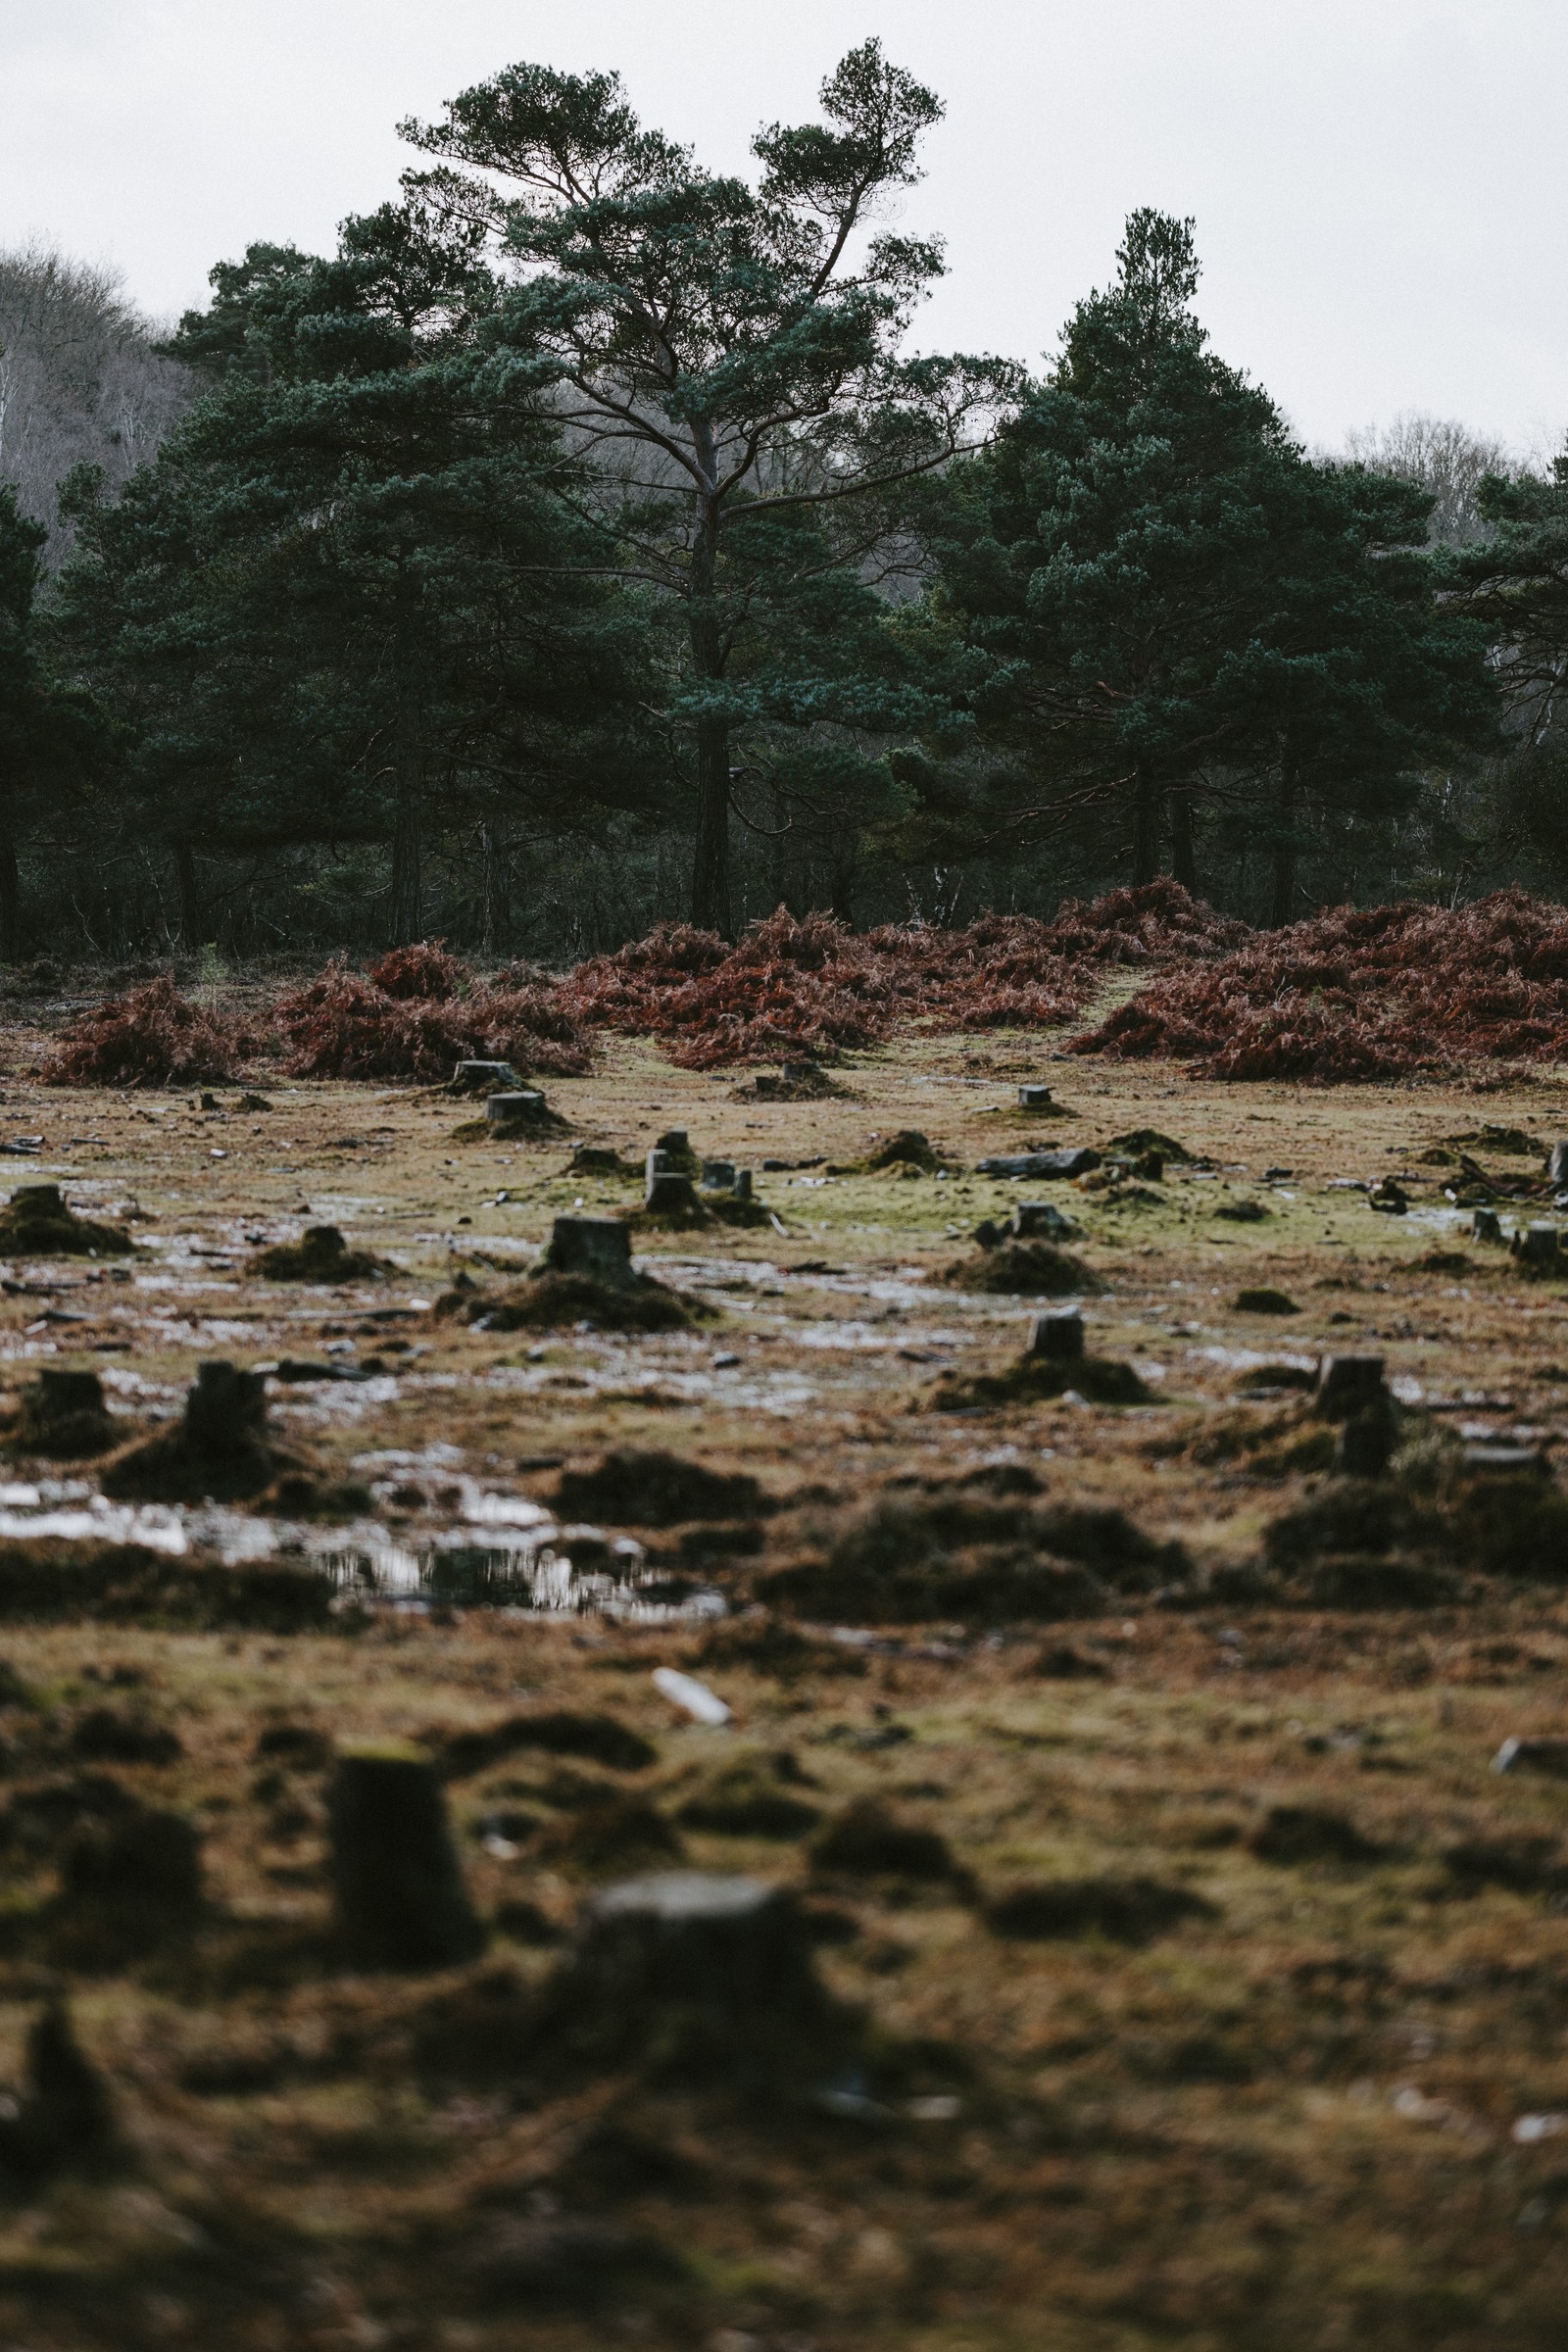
(488, 1551)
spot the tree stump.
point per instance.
(1058, 1337)
(1557, 1167)
(1485, 1226)
(226, 1411)
(524, 1106)
(669, 1194)
(1348, 1385)
(708, 1969)
(62, 1415)
(1033, 1098)
(600, 1247)
(65, 2116)
(1538, 1247)
(399, 1890)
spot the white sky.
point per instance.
(1379, 185)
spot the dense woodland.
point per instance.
(586, 543)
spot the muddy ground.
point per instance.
(1256, 2077)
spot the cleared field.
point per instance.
(1206, 2013)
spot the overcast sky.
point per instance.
(1379, 185)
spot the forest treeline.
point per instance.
(584, 544)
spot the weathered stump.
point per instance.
(65, 2117)
(1538, 1245)
(62, 1415)
(669, 1194)
(522, 1106)
(1350, 1384)
(1558, 1165)
(399, 1890)
(694, 1968)
(226, 1411)
(1057, 1338)
(600, 1247)
(1486, 1225)
(1033, 1098)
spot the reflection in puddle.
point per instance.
(493, 1551)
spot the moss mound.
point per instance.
(1034, 1379)
(37, 1223)
(321, 1255)
(552, 1302)
(1023, 1270)
(657, 1489)
(126, 1583)
(1266, 1302)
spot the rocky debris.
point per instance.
(1125, 1910)
(1294, 1834)
(1062, 1166)
(1534, 1754)
(37, 1223)
(64, 2119)
(62, 1415)
(398, 1888)
(655, 1489)
(321, 1255)
(700, 1974)
(1023, 1270)
(1264, 1300)
(220, 1449)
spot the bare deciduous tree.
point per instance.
(1444, 456)
(79, 380)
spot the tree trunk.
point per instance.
(711, 905)
(710, 908)
(495, 911)
(1183, 864)
(189, 906)
(1146, 829)
(9, 898)
(1283, 910)
(407, 911)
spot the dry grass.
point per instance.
(1277, 2109)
